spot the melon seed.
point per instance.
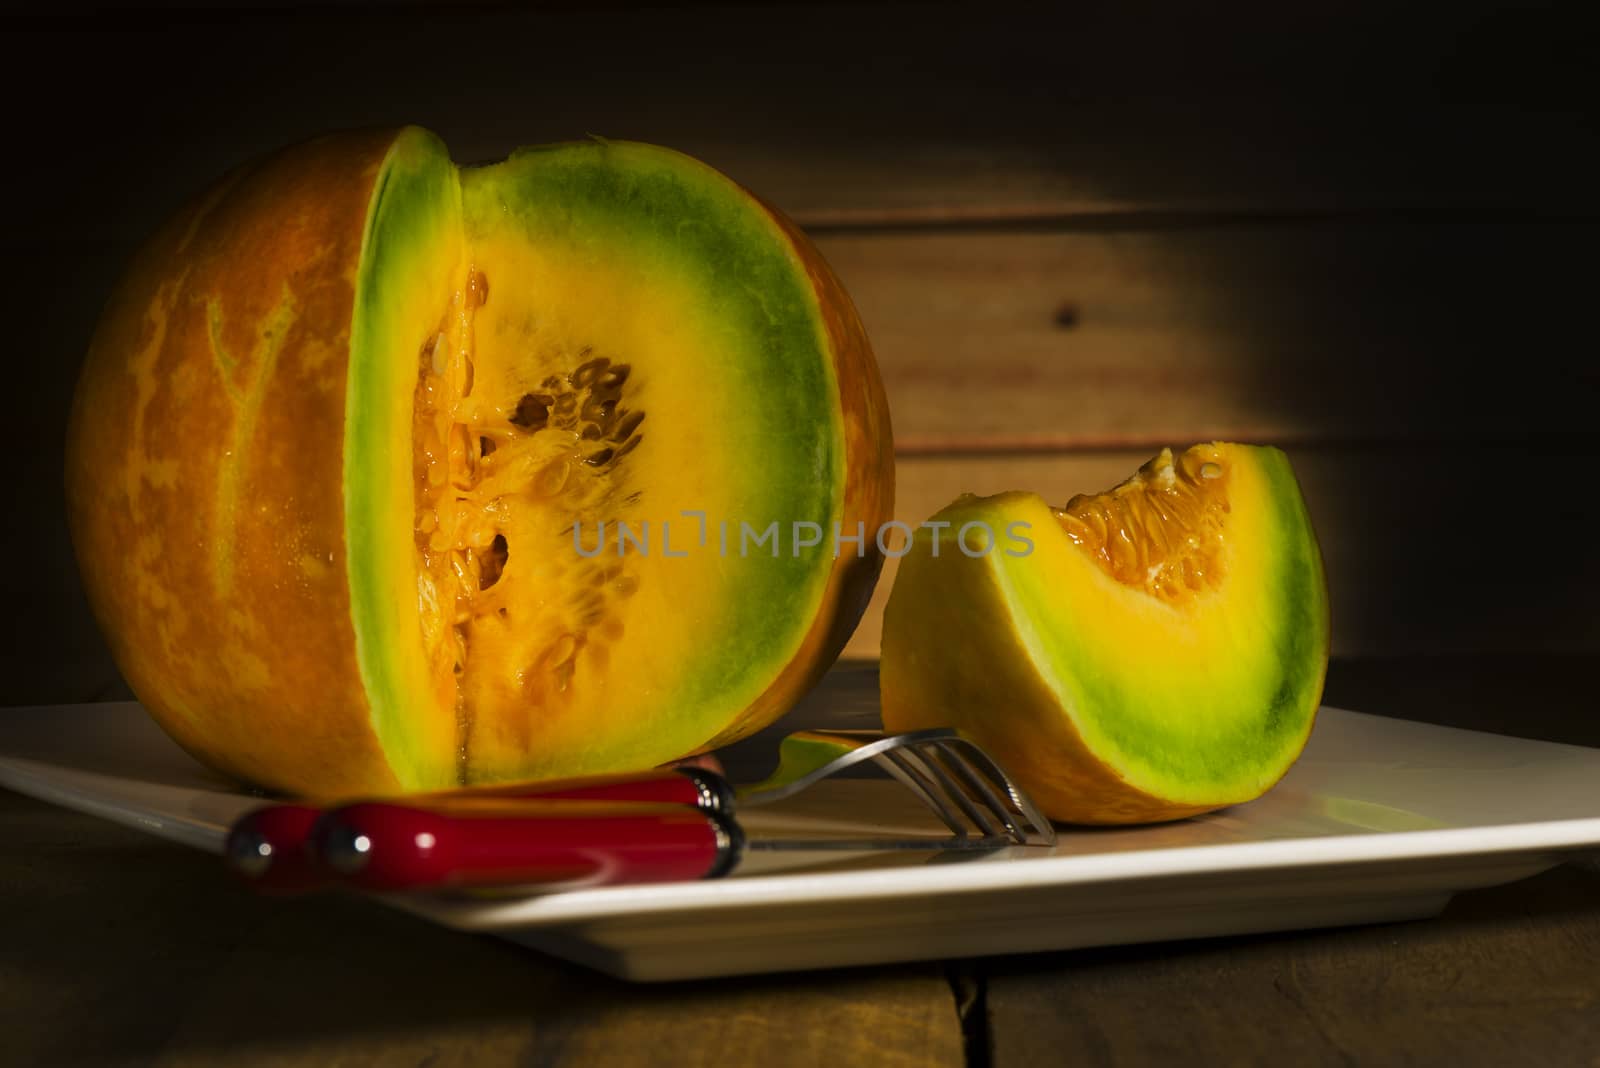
(600, 411)
(438, 353)
(626, 426)
(586, 372)
(562, 651)
(1210, 470)
(552, 477)
(533, 411)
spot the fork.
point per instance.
(949, 774)
(643, 827)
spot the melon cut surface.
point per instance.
(1143, 654)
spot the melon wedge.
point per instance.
(387, 474)
(1144, 654)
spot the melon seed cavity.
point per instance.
(1161, 530)
(486, 475)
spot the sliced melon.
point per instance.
(1144, 654)
(632, 360)
(519, 416)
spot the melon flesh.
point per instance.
(1144, 654)
(595, 289)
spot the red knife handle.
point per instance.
(268, 847)
(379, 845)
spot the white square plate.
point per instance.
(1380, 820)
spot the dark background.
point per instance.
(1075, 233)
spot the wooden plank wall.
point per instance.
(1074, 235)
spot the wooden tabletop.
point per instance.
(122, 948)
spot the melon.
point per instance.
(1143, 654)
(386, 474)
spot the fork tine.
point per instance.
(996, 805)
(1019, 800)
(922, 762)
(891, 760)
(934, 769)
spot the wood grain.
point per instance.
(1506, 976)
(1290, 333)
(123, 949)
(845, 114)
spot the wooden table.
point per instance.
(119, 947)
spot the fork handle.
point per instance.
(388, 846)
